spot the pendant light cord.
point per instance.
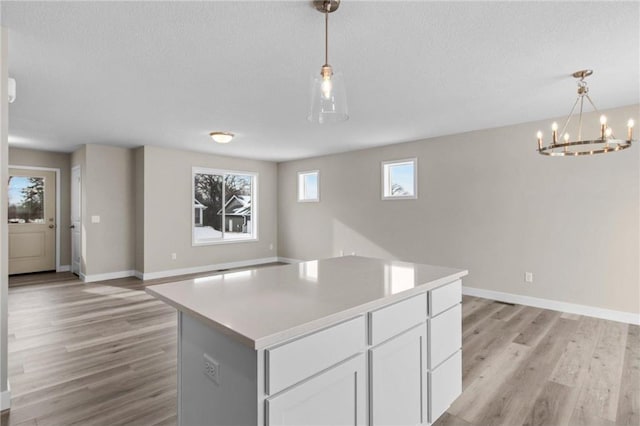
(326, 34)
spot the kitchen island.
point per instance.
(341, 341)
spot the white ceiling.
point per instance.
(167, 73)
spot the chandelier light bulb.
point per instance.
(630, 125)
(326, 87)
(566, 137)
(608, 132)
(554, 126)
(539, 140)
(603, 120)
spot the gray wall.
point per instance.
(139, 207)
(489, 203)
(168, 200)
(108, 191)
(55, 160)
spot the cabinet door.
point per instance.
(334, 397)
(397, 388)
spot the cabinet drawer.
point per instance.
(445, 335)
(445, 385)
(392, 320)
(444, 297)
(294, 361)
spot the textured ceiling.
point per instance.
(167, 73)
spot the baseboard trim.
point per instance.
(107, 276)
(289, 260)
(5, 398)
(63, 268)
(139, 275)
(554, 305)
(207, 268)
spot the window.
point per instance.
(224, 206)
(26, 199)
(399, 179)
(309, 186)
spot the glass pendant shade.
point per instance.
(328, 99)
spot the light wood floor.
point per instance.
(105, 354)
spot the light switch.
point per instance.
(95, 219)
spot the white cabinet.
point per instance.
(334, 397)
(445, 342)
(396, 380)
(392, 364)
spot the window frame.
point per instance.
(386, 177)
(254, 205)
(301, 189)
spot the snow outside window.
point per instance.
(399, 179)
(224, 206)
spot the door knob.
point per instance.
(51, 226)
(72, 227)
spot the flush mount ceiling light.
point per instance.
(328, 96)
(606, 143)
(221, 137)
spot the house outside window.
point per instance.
(224, 206)
(400, 179)
(309, 186)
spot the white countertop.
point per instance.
(262, 307)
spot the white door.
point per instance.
(76, 215)
(399, 364)
(336, 397)
(32, 220)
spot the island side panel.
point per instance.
(233, 400)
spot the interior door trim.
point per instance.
(57, 172)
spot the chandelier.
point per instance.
(605, 143)
(328, 97)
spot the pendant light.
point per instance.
(328, 96)
(606, 141)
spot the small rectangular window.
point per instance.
(26, 199)
(224, 206)
(399, 179)
(309, 186)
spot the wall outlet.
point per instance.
(95, 219)
(271, 246)
(341, 252)
(212, 369)
(174, 256)
(528, 277)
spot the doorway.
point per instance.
(32, 215)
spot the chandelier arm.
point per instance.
(566, 123)
(592, 104)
